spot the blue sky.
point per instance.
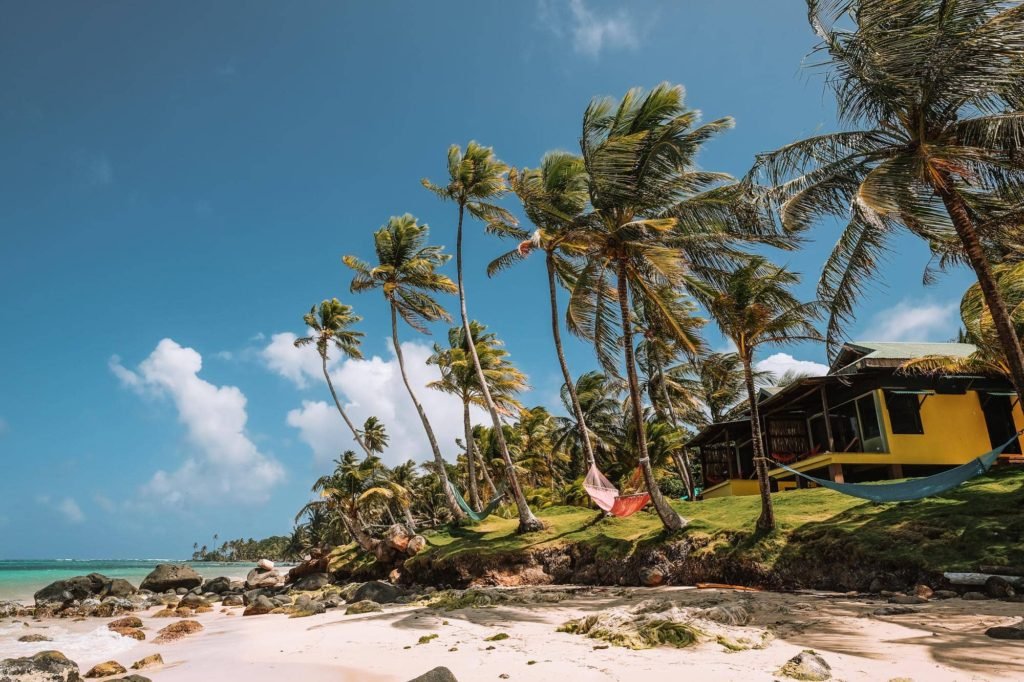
(177, 185)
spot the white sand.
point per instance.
(944, 640)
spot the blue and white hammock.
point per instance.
(915, 488)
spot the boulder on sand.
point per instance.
(117, 587)
(260, 606)
(311, 582)
(438, 674)
(258, 578)
(265, 564)
(219, 585)
(807, 665)
(378, 591)
(72, 589)
(171, 577)
(46, 666)
(106, 669)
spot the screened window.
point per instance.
(904, 412)
(869, 425)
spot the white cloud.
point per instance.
(909, 321)
(590, 31)
(369, 387)
(70, 509)
(780, 363)
(225, 464)
(104, 502)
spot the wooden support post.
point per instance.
(895, 471)
(835, 472)
(828, 422)
(801, 483)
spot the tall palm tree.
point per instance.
(374, 435)
(553, 196)
(931, 93)
(654, 220)
(753, 306)
(599, 399)
(474, 179)
(331, 324)
(406, 273)
(717, 384)
(459, 377)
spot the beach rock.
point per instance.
(438, 674)
(134, 633)
(417, 543)
(348, 590)
(9, 609)
(218, 585)
(906, 599)
(106, 669)
(923, 591)
(397, 537)
(807, 665)
(258, 578)
(176, 631)
(265, 564)
(131, 678)
(171, 577)
(46, 666)
(364, 606)
(313, 581)
(1003, 632)
(78, 588)
(233, 600)
(126, 622)
(652, 577)
(377, 591)
(181, 591)
(894, 611)
(192, 601)
(148, 662)
(118, 587)
(974, 596)
(999, 588)
(260, 606)
(944, 594)
(883, 582)
(34, 638)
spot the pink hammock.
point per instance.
(607, 497)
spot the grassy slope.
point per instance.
(981, 522)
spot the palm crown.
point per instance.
(406, 271)
(331, 324)
(475, 176)
(458, 376)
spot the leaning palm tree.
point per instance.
(459, 377)
(406, 273)
(331, 324)
(552, 196)
(474, 179)
(931, 92)
(753, 306)
(654, 220)
(374, 435)
(339, 492)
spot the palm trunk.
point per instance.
(767, 519)
(474, 490)
(669, 517)
(449, 496)
(570, 385)
(341, 411)
(527, 521)
(487, 475)
(680, 460)
(1008, 339)
(354, 528)
(409, 520)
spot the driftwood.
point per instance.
(1002, 570)
(972, 579)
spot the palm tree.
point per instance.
(340, 493)
(374, 435)
(406, 273)
(476, 177)
(600, 402)
(717, 384)
(459, 377)
(535, 450)
(331, 324)
(753, 306)
(404, 477)
(654, 221)
(552, 196)
(930, 90)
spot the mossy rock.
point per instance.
(496, 637)
(427, 639)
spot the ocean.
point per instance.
(19, 580)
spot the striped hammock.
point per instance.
(606, 496)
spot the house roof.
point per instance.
(856, 355)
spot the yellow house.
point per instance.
(864, 421)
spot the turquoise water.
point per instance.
(21, 579)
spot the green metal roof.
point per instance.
(856, 354)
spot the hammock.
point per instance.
(915, 488)
(483, 513)
(607, 497)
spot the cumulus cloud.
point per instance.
(224, 462)
(591, 31)
(70, 509)
(781, 363)
(369, 387)
(910, 321)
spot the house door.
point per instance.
(998, 411)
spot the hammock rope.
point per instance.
(483, 513)
(915, 488)
(606, 496)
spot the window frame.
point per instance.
(919, 422)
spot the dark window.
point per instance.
(869, 426)
(904, 412)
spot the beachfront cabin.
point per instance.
(864, 421)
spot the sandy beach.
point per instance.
(940, 640)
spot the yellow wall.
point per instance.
(954, 431)
(734, 486)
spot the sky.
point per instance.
(179, 182)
